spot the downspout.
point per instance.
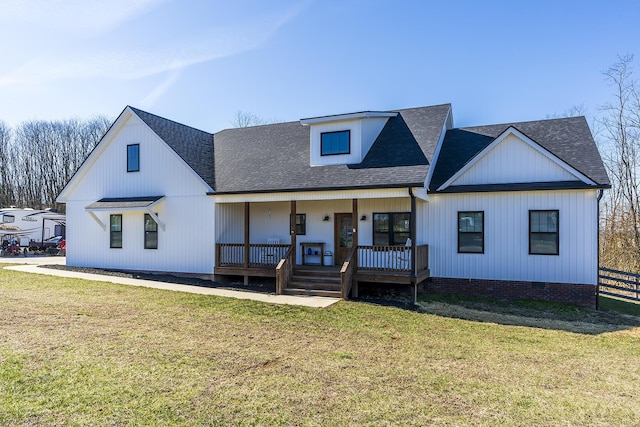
(600, 194)
(412, 233)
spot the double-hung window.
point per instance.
(133, 158)
(391, 229)
(150, 232)
(332, 143)
(544, 238)
(115, 233)
(301, 224)
(471, 232)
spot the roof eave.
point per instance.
(304, 190)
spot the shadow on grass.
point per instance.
(613, 315)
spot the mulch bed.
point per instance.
(265, 288)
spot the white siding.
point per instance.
(506, 221)
(271, 220)
(371, 128)
(162, 171)
(363, 132)
(230, 223)
(511, 161)
(186, 245)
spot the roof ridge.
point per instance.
(138, 110)
(514, 124)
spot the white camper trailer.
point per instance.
(28, 227)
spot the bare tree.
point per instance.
(6, 190)
(40, 157)
(620, 141)
(245, 119)
(575, 110)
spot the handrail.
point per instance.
(284, 270)
(422, 257)
(347, 271)
(261, 255)
(392, 258)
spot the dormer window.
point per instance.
(344, 139)
(332, 143)
(133, 158)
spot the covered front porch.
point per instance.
(314, 244)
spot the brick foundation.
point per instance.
(579, 294)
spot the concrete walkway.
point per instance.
(31, 266)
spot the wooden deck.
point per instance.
(374, 264)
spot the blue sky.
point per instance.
(199, 62)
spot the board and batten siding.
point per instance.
(186, 245)
(270, 220)
(501, 165)
(506, 231)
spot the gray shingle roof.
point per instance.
(569, 139)
(276, 157)
(194, 146)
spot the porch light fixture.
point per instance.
(363, 218)
(326, 218)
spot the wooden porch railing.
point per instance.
(392, 258)
(284, 270)
(422, 257)
(260, 254)
(347, 271)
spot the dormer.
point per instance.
(344, 139)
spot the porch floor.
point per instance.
(361, 275)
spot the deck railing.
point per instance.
(347, 271)
(422, 257)
(260, 254)
(284, 270)
(392, 258)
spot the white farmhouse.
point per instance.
(327, 203)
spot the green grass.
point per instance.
(620, 305)
(81, 353)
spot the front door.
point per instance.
(343, 237)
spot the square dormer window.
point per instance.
(332, 143)
(133, 158)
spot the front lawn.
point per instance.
(76, 352)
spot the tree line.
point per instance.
(38, 158)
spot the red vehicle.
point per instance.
(62, 247)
